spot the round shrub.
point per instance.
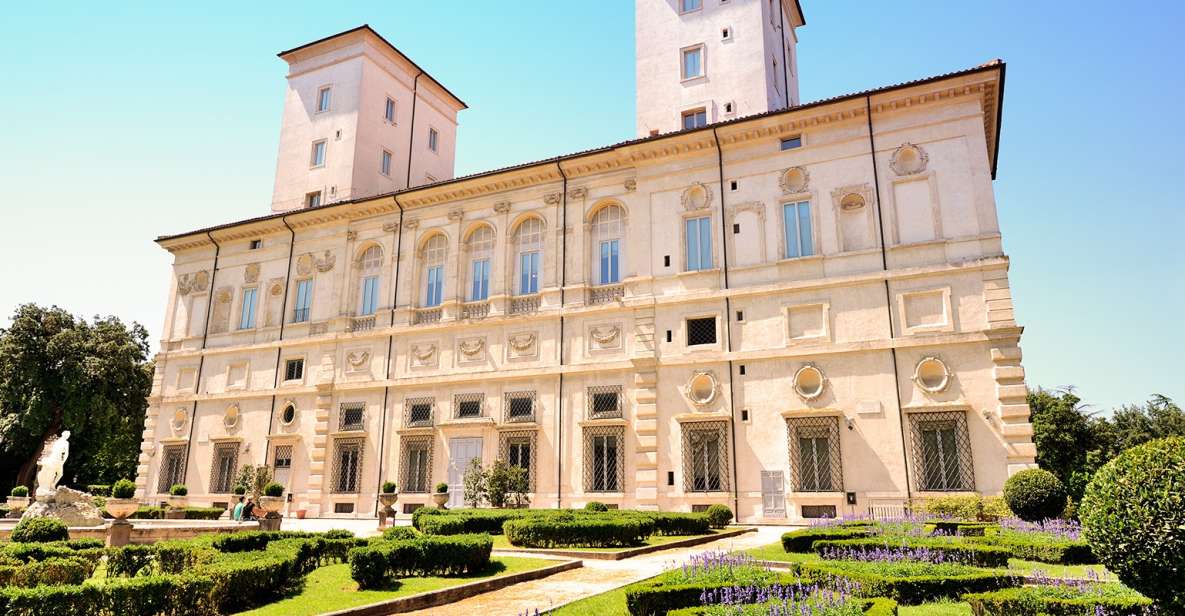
(397, 533)
(339, 533)
(389, 487)
(19, 491)
(240, 490)
(1133, 515)
(40, 530)
(124, 488)
(273, 489)
(178, 489)
(442, 488)
(719, 515)
(1035, 494)
(596, 506)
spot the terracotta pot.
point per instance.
(300, 513)
(121, 508)
(16, 503)
(440, 499)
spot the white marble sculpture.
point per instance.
(50, 466)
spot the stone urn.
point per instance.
(176, 509)
(440, 499)
(121, 508)
(388, 512)
(17, 503)
(270, 506)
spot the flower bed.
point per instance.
(1060, 599)
(686, 585)
(935, 550)
(908, 582)
(867, 607)
(382, 561)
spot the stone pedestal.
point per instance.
(174, 514)
(70, 506)
(119, 534)
(270, 523)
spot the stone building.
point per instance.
(795, 311)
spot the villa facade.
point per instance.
(796, 310)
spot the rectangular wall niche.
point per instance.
(807, 321)
(915, 211)
(926, 310)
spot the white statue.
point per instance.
(50, 466)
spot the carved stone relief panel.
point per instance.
(251, 273)
(471, 349)
(220, 316)
(194, 282)
(909, 159)
(274, 302)
(604, 336)
(358, 362)
(698, 196)
(423, 354)
(795, 180)
(522, 345)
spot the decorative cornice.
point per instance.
(501, 207)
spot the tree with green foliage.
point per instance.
(59, 372)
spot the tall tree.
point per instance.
(1071, 443)
(1135, 424)
(58, 372)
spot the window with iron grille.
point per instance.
(172, 468)
(415, 465)
(815, 461)
(941, 452)
(701, 331)
(294, 369)
(343, 507)
(468, 405)
(604, 401)
(351, 416)
(520, 406)
(604, 459)
(347, 465)
(226, 464)
(283, 457)
(518, 449)
(705, 457)
(418, 412)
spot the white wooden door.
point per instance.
(461, 452)
(773, 494)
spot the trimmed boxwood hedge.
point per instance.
(908, 590)
(659, 597)
(30, 552)
(432, 521)
(39, 530)
(191, 513)
(380, 562)
(976, 554)
(1054, 551)
(578, 531)
(56, 570)
(803, 540)
(1032, 602)
(956, 527)
(879, 606)
(185, 595)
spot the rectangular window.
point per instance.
(247, 317)
(347, 467)
(433, 137)
(283, 457)
(686, 6)
(226, 464)
(370, 296)
(520, 406)
(604, 401)
(528, 273)
(610, 262)
(814, 454)
(480, 290)
(468, 405)
(791, 143)
(695, 119)
(699, 243)
(385, 163)
(517, 449)
(693, 65)
(418, 412)
(312, 199)
(435, 291)
(304, 300)
(172, 468)
(323, 98)
(317, 156)
(942, 452)
(351, 417)
(701, 331)
(705, 456)
(797, 220)
(294, 369)
(389, 110)
(416, 464)
(256, 244)
(603, 459)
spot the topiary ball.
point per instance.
(39, 530)
(595, 506)
(1133, 516)
(719, 516)
(1035, 494)
(124, 488)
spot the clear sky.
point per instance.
(123, 121)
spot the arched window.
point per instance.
(608, 227)
(478, 247)
(528, 240)
(369, 265)
(435, 251)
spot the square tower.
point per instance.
(360, 119)
(705, 61)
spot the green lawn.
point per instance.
(501, 543)
(330, 588)
(940, 608)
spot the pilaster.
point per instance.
(645, 421)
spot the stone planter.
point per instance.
(176, 510)
(440, 499)
(121, 508)
(270, 506)
(387, 514)
(17, 503)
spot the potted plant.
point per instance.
(440, 496)
(122, 502)
(240, 490)
(18, 498)
(387, 496)
(176, 501)
(270, 504)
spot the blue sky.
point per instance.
(124, 121)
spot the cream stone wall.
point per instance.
(863, 317)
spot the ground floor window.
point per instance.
(604, 459)
(415, 467)
(705, 456)
(815, 462)
(226, 464)
(518, 449)
(172, 468)
(941, 452)
(347, 465)
(282, 464)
